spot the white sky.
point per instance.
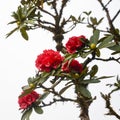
(17, 64)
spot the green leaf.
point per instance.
(23, 2)
(87, 13)
(93, 71)
(83, 73)
(12, 22)
(105, 77)
(100, 20)
(115, 48)
(24, 33)
(84, 91)
(41, 80)
(27, 89)
(64, 89)
(26, 114)
(15, 16)
(30, 80)
(73, 18)
(118, 79)
(106, 42)
(44, 96)
(11, 32)
(89, 26)
(31, 12)
(95, 37)
(38, 109)
(29, 21)
(43, 77)
(97, 52)
(70, 56)
(90, 81)
(85, 54)
(108, 45)
(115, 52)
(19, 14)
(93, 20)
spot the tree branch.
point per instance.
(45, 22)
(56, 100)
(116, 16)
(44, 11)
(55, 7)
(107, 14)
(109, 59)
(108, 3)
(112, 29)
(109, 107)
(55, 93)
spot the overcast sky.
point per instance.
(17, 63)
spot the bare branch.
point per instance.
(45, 22)
(64, 2)
(43, 10)
(107, 14)
(55, 93)
(116, 16)
(108, 3)
(107, 99)
(112, 29)
(109, 59)
(56, 100)
(54, 7)
(49, 28)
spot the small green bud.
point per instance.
(93, 46)
(32, 85)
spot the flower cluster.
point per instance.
(27, 100)
(51, 60)
(75, 43)
(48, 60)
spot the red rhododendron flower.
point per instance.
(48, 60)
(25, 101)
(22, 103)
(75, 43)
(73, 65)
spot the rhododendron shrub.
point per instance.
(62, 68)
(69, 65)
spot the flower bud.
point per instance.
(76, 75)
(32, 85)
(93, 46)
(18, 23)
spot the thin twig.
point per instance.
(107, 14)
(56, 100)
(55, 7)
(116, 16)
(109, 59)
(45, 22)
(45, 11)
(108, 3)
(49, 28)
(55, 93)
(112, 29)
